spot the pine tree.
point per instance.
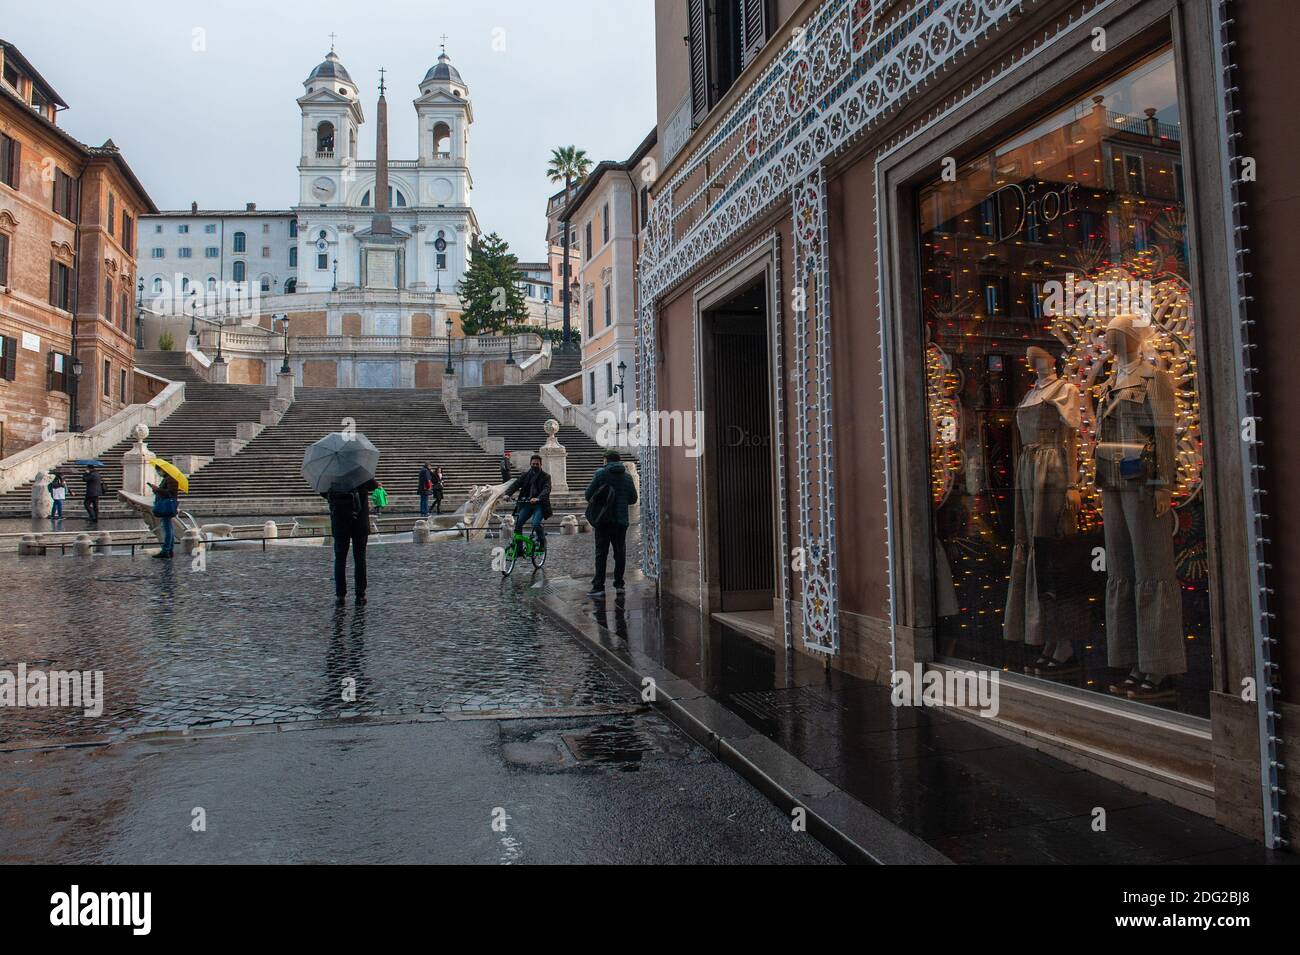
(489, 290)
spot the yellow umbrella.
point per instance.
(173, 471)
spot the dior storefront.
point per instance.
(970, 279)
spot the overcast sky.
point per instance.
(222, 126)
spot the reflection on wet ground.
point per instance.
(255, 639)
(976, 796)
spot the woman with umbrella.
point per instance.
(341, 468)
(166, 498)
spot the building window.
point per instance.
(184, 252)
(293, 256)
(609, 379)
(212, 252)
(128, 232)
(293, 228)
(238, 271)
(112, 214)
(290, 286)
(604, 223)
(121, 384)
(591, 381)
(4, 258)
(724, 37)
(108, 301)
(266, 228)
(266, 283)
(586, 248)
(442, 260)
(108, 374)
(322, 261)
(65, 195)
(609, 307)
(591, 316)
(157, 285)
(124, 312)
(61, 286)
(1061, 427)
(183, 228)
(210, 228)
(156, 253)
(212, 283)
(57, 368)
(266, 251)
(8, 358)
(241, 242)
(10, 151)
(325, 139)
(157, 229)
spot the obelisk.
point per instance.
(380, 222)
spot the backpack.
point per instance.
(600, 509)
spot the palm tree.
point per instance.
(570, 165)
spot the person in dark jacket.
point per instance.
(437, 491)
(534, 490)
(505, 467)
(350, 527)
(94, 491)
(165, 493)
(425, 488)
(609, 495)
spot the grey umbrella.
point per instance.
(340, 462)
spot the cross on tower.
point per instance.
(381, 81)
(332, 37)
(444, 43)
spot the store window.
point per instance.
(1065, 437)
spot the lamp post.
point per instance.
(546, 318)
(510, 348)
(284, 325)
(335, 288)
(192, 305)
(449, 369)
(221, 324)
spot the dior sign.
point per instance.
(1016, 204)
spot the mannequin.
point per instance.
(1136, 471)
(1047, 495)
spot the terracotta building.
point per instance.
(68, 215)
(867, 257)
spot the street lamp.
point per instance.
(336, 276)
(284, 325)
(449, 369)
(193, 312)
(139, 313)
(510, 348)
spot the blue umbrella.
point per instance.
(341, 461)
(88, 463)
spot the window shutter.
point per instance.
(53, 266)
(756, 26)
(697, 18)
(11, 358)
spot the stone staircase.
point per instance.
(167, 364)
(515, 414)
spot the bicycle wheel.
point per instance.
(510, 555)
(538, 551)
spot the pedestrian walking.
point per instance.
(350, 528)
(608, 496)
(425, 488)
(379, 497)
(166, 502)
(534, 489)
(95, 489)
(58, 494)
(505, 467)
(437, 490)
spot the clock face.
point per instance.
(322, 187)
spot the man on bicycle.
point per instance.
(534, 490)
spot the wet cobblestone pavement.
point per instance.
(254, 639)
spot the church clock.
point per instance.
(322, 187)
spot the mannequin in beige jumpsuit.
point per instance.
(1135, 420)
(1047, 471)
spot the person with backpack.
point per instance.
(609, 495)
(425, 488)
(350, 527)
(58, 494)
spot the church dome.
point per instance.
(443, 72)
(330, 69)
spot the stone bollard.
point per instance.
(584, 526)
(420, 532)
(507, 526)
(555, 457)
(270, 529)
(568, 524)
(83, 546)
(103, 542)
(29, 545)
(192, 540)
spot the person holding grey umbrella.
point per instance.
(341, 468)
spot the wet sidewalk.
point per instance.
(878, 782)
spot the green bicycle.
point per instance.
(531, 546)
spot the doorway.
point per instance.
(739, 498)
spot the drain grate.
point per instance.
(620, 744)
(774, 705)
